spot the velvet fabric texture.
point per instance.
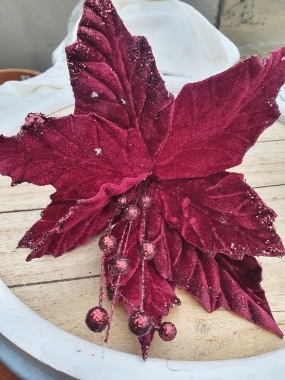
(128, 133)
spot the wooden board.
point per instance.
(62, 290)
(256, 27)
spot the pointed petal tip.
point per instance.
(274, 328)
(29, 257)
(278, 332)
(145, 342)
(145, 350)
(22, 245)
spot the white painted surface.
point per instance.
(69, 355)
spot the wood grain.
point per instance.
(62, 290)
(256, 27)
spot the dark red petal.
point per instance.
(219, 214)
(242, 293)
(65, 224)
(217, 120)
(197, 273)
(114, 75)
(160, 297)
(168, 243)
(222, 281)
(77, 155)
(159, 293)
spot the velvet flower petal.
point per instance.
(79, 156)
(168, 242)
(217, 120)
(114, 75)
(223, 281)
(219, 214)
(62, 224)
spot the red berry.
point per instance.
(122, 201)
(147, 250)
(97, 319)
(131, 213)
(107, 243)
(119, 265)
(146, 201)
(140, 323)
(167, 331)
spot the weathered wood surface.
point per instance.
(255, 26)
(62, 290)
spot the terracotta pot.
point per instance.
(16, 74)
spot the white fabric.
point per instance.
(46, 93)
(186, 46)
(281, 104)
(183, 41)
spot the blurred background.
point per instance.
(31, 29)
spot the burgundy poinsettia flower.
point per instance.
(150, 171)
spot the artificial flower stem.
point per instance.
(142, 298)
(112, 310)
(102, 271)
(127, 238)
(128, 229)
(102, 275)
(143, 224)
(121, 241)
(109, 228)
(142, 286)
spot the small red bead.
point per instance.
(147, 250)
(176, 302)
(121, 201)
(146, 201)
(97, 319)
(107, 243)
(140, 323)
(167, 331)
(119, 265)
(131, 213)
